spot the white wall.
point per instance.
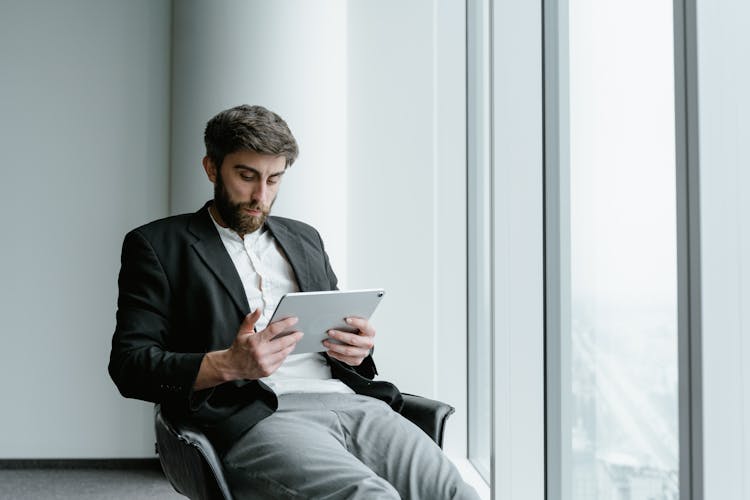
(120, 92)
(724, 108)
(84, 134)
(407, 192)
(288, 56)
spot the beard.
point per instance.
(234, 214)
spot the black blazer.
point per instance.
(180, 296)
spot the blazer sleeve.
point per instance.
(140, 364)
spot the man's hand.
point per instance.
(252, 355)
(354, 347)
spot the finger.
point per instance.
(277, 358)
(278, 327)
(353, 339)
(248, 323)
(271, 362)
(285, 342)
(345, 350)
(361, 324)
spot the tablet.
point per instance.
(319, 312)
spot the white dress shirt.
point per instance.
(266, 276)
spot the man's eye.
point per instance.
(247, 177)
(272, 180)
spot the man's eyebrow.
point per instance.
(257, 172)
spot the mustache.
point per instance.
(253, 205)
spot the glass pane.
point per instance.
(622, 401)
(479, 293)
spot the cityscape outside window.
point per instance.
(622, 403)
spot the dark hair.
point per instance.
(249, 127)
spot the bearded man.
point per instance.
(196, 294)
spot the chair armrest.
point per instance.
(189, 460)
(428, 414)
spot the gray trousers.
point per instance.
(331, 446)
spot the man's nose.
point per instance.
(260, 193)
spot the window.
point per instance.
(612, 252)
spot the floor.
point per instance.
(122, 484)
(85, 484)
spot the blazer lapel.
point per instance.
(211, 250)
(292, 247)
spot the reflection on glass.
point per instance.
(622, 404)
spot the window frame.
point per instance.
(557, 239)
(514, 126)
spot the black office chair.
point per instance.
(192, 466)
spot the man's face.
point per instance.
(245, 187)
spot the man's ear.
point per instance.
(210, 168)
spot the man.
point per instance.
(196, 295)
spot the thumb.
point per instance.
(248, 324)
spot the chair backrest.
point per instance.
(189, 460)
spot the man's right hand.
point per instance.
(252, 355)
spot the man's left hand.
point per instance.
(354, 347)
